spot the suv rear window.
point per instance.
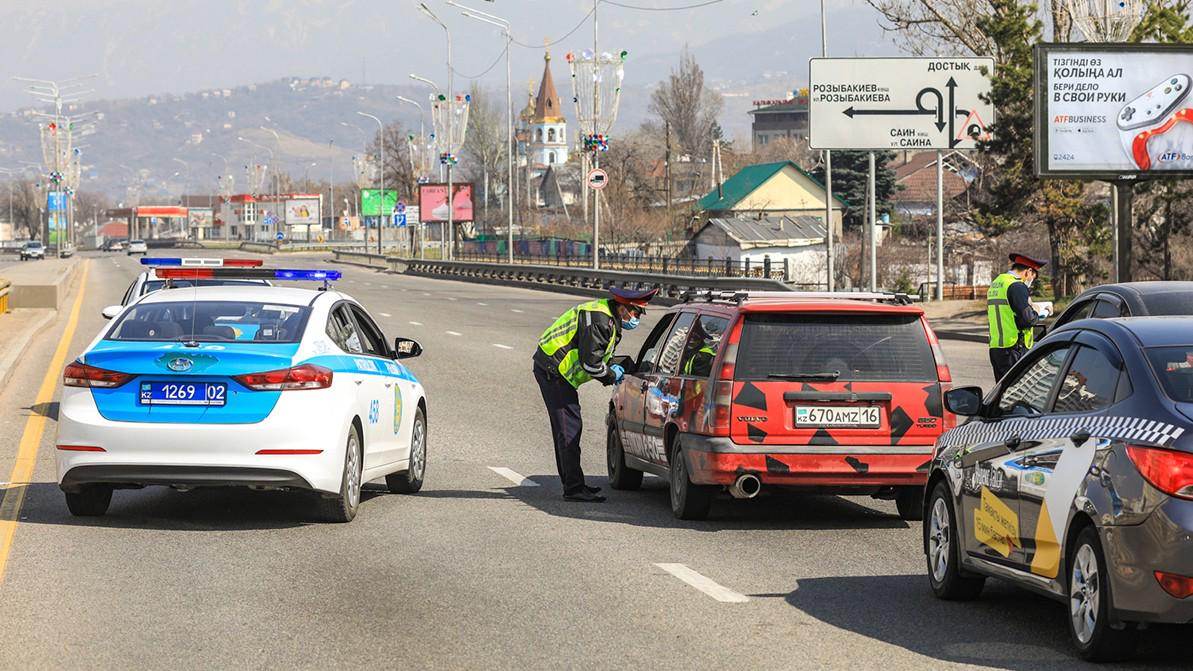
(855, 346)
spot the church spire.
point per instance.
(547, 108)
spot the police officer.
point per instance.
(1011, 313)
(573, 350)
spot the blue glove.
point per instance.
(618, 373)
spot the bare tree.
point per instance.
(485, 145)
(931, 27)
(689, 108)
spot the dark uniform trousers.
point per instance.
(563, 409)
(1002, 359)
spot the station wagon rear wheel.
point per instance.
(689, 501)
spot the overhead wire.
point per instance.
(697, 5)
(486, 70)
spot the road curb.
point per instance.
(8, 364)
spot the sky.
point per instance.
(143, 47)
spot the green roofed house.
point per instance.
(780, 189)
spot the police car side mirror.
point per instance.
(111, 311)
(405, 348)
(964, 401)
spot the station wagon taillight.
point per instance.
(1169, 471)
(81, 375)
(306, 376)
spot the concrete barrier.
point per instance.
(41, 284)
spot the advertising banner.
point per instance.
(56, 201)
(432, 202)
(899, 103)
(199, 217)
(302, 211)
(371, 205)
(1108, 110)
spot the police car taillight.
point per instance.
(1168, 470)
(81, 375)
(306, 376)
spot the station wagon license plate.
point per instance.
(183, 393)
(859, 417)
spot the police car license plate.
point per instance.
(860, 417)
(183, 393)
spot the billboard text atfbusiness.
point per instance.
(1109, 111)
(432, 199)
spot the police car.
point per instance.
(1074, 478)
(266, 387)
(148, 280)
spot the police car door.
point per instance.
(379, 385)
(989, 488)
(1050, 473)
(344, 333)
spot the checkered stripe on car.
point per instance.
(1130, 429)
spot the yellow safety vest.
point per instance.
(1004, 332)
(558, 342)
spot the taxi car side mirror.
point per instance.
(964, 401)
(1039, 331)
(406, 348)
(111, 311)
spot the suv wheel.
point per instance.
(910, 503)
(620, 475)
(688, 501)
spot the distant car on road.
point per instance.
(774, 389)
(264, 387)
(33, 250)
(114, 246)
(1129, 299)
(137, 247)
(1073, 478)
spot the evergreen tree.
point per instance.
(851, 173)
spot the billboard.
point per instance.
(899, 103)
(302, 211)
(370, 202)
(432, 202)
(199, 217)
(1105, 111)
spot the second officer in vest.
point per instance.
(1011, 313)
(574, 350)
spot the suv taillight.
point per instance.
(306, 376)
(1168, 470)
(81, 375)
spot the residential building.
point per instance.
(779, 189)
(773, 119)
(799, 241)
(916, 175)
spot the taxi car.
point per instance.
(838, 393)
(148, 280)
(1073, 478)
(266, 387)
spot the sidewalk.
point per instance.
(18, 330)
(39, 290)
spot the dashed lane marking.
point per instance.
(515, 310)
(416, 323)
(513, 476)
(385, 314)
(704, 584)
(451, 298)
(500, 346)
(484, 304)
(453, 333)
(35, 427)
(426, 293)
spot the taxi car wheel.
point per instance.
(910, 503)
(944, 556)
(620, 475)
(89, 501)
(688, 501)
(343, 506)
(1089, 604)
(411, 480)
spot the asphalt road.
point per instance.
(480, 570)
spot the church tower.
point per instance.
(548, 128)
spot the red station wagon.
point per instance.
(756, 390)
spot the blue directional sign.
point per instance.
(347, 222)
(400, 220)
(280, 236)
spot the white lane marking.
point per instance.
(513, 476)
(500, 346)
(515, 310)
(450, 298)
(385, 314)
(484, 304)
(383, 286)
(453, 333)
(426, 293)
(706, 585)
(416, 323)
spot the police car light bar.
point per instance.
(201, 263)
(248, 273)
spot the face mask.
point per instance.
(631, 324)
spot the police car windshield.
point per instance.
(1174, 367)
(154, 285)
(212, 321)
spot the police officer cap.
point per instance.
(1022, 260)
(636, 297)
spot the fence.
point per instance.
(694, 267)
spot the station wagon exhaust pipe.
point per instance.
(747, 486)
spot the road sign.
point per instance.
(597, 178)
(899, 103)
(280, 236)
(400, 207)
(400, 219)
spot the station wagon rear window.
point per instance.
(212, 321)
(824, 347)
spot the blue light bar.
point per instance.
(315, 275)
(156, 261)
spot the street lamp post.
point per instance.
(331, 186)
(438, 140)
(504, 25)
(381, 169)
(273, 164)
(451, 227)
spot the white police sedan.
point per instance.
(265, 387)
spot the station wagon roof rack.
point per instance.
(739, 297)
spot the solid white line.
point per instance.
(515, 310)
(500, 346)
(385, 314)
(416, 323)
(513, 476)
(453, 333)
(706, 585)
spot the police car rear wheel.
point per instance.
(343, 506)
(688, 501)
(89, 501)
(1090, 628)
(620, 475)
(944, 558)
(411, 480)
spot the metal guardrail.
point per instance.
(779, 269)
(5, 290)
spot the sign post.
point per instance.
(876, 104)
